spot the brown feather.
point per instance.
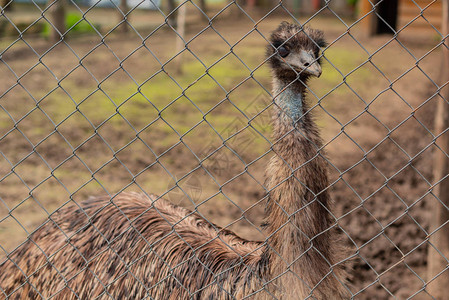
(132, 246)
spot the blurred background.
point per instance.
(173, 98)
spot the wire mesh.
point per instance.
(111, 107)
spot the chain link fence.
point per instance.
(113, 106)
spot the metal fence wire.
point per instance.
(113, 114)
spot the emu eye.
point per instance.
(283, 52)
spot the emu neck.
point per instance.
(289, 100)
(296, 212)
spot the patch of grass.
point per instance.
(160, 98)
(74, 22)
(344, 62)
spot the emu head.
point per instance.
(294, 51)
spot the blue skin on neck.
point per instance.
(291, 104)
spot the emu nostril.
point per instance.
(306, 64)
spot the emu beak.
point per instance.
(309, 64)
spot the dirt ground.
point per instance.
(118, 122)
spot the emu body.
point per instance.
(132, 246)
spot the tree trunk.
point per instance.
(438, 249)
(181, 29)
(236, 9)
(169, 11)
(9, 7)
(58, 20)
(203, 6)
(122, 15)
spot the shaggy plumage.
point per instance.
(131, 246)
(127, 248)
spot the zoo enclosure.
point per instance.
(56, 119)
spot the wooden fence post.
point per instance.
(439, 287)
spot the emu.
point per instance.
(133, 246)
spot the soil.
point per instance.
(377, 124)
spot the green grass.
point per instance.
(344, 62)
(73, 21)
(161, 97)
